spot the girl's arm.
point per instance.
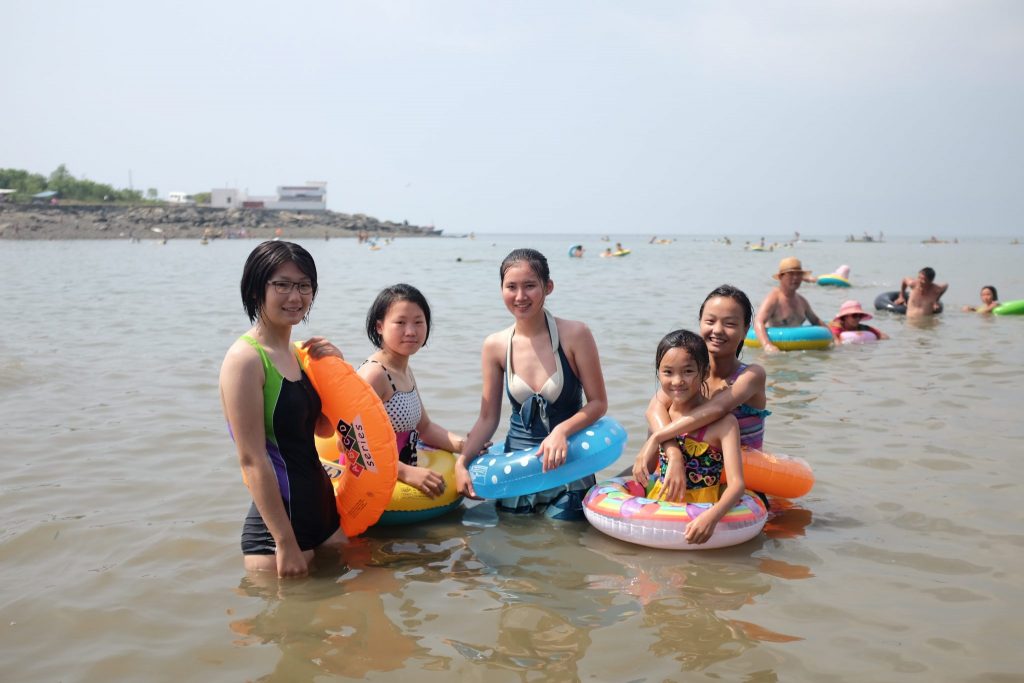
(492, 372)
(727, 434)
(748, 386)
(241, 391)
(437, 436)
(657, 417)
(581, 349)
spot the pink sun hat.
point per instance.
(852, 307)
(843, 272)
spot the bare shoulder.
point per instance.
(241, 356)
(242, 366)
(753, 372)
(572, 331)
(495, 344)
(375, 376)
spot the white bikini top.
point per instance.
(517, 387)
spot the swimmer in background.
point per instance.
(690, 469)
(783, 307)
(733, 386)
(989, 300)
(545, 365)
(398, 324)
(921, 294)
(607, 252)
(850, 318)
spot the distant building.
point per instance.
(309, 197)
(180, 198)
(226, 198)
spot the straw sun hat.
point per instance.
(790, 264)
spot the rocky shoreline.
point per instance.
(85, 221)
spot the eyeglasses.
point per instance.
(286, 287)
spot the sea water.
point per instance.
(121, 500)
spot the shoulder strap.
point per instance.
(268, 367)
(370, 360)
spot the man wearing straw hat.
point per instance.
(783, 307)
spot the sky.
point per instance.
(716, 117)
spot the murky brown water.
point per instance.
(122, 501)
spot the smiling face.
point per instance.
(679, 375)
(722, 325)
(523, 290)
(403, 329)
(286, 308)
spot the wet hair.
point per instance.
(737, 295)
(995, 297)
(392, 295)
(692, 344)
(531, 257)
(929, 273)
(260, 267)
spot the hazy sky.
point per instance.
(650, 117)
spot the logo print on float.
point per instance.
(355, 448)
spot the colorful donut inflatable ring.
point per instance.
(857, 337)
(497, 474)
(619, 508)
(365, 478)
(805, 338)
(409, 505)
(886, 302)
(833, 280)
(1010, 308)
(776, 474)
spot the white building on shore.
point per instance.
(309, 197)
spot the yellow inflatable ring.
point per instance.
(365, 479)
(410, 505)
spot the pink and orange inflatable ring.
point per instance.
(619, 508)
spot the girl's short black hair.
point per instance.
(260, 266)
(531, 257)
(389, 295)
(737, 295)
(691, 343)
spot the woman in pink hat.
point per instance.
(848, 325)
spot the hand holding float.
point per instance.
(497, 474)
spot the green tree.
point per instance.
(151, 193)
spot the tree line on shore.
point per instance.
(26, 184)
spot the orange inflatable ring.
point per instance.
(364, 479)
(775, 474)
